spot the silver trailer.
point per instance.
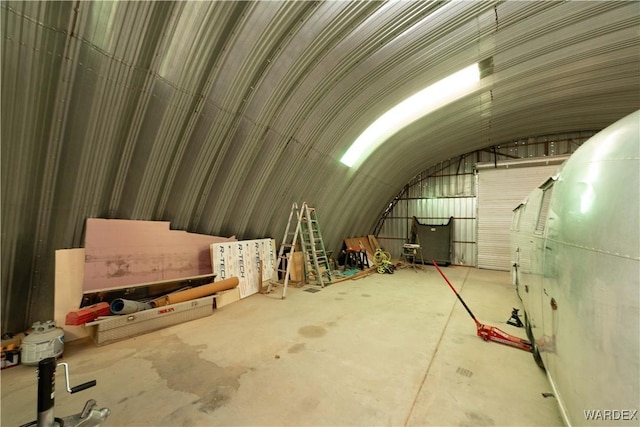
(576, 248)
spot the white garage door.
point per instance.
(500, 191)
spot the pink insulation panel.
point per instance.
(120, 253)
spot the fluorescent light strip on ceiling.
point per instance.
(437, 95)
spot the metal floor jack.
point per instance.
(89, 417)
(488, 333)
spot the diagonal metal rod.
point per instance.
(455, 292)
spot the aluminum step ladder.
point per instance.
(287, 249)
(313, 247)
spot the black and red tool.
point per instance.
(486, 332)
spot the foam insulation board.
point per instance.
(242, 259)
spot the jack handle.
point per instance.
(77, 388)
(478, 324)
(486, 332)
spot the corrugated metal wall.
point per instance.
(449, 189)
(217, 115)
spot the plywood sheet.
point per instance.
(357, 242)
(69, 272)
(227, 297)
(373, 242)
(242, 260)
(126, 252)
(296, 274)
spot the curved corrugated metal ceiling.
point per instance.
(217, 115)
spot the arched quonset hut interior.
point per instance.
(217, 115)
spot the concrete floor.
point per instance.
(381, 350)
